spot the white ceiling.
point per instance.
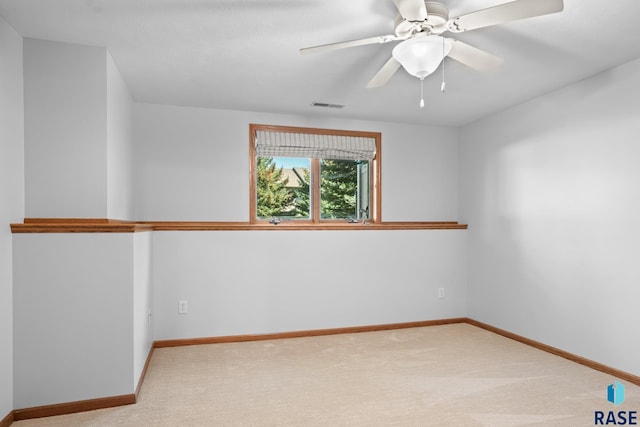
(243, 54)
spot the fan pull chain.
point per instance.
(444, 85)
(422, 92)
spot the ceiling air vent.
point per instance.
(325, 105)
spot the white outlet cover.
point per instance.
(183, 307)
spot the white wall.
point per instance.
(275, 281)
(142, 302)
(83, 298)
(192, 164)
(81, 315)
(119, 145)
(77, 106)
(65, 130)
(73, 317)
(11, 194)
(550, 191)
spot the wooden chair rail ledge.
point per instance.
(96, 225)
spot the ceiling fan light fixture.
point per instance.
(421, 56)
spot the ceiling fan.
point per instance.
(419, 27)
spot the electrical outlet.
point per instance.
(183, 307)
(441, 293)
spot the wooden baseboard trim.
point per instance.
(8, 420)
(72, 407)
(626, 376)
(306, 333)
(144, 372)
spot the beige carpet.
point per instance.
(451, 375)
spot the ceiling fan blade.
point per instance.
(384, 74)
(519, 9)
(412, 10)
(351, 43)
(473, 57)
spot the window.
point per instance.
(314, 175)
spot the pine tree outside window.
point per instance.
(314, 175)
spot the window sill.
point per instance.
(58, 225)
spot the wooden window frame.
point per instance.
(376, 171)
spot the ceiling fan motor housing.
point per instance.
(436, 22)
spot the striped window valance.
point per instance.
(320, 146)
